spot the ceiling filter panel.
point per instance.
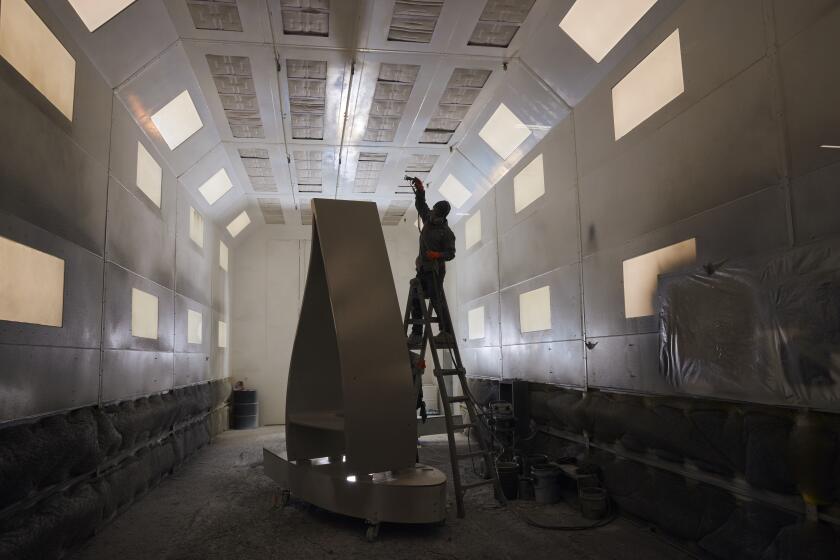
(499, 22)
(368, 170)
(258, 167)
(461, 92)
(414, 21)
(215, 15)
(307, 97)
(393, 88)
(395, 212)
(420, 166)
(309, 170)
(306, 17)
(235, 84)
(272, 210)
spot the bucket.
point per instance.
(546, 483)
(593, 502)
(529, 461)
(526, 488)
(508, 472)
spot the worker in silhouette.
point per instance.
(437, 245)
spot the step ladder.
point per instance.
(476, 418)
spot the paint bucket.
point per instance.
(593, 502)
(526, 488)
(508, 472)
(529, 461)
(546, 483)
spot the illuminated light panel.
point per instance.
(504, 132)
(830, 147)
(598, 25)
(641, 275)
(454, 191)
(149, 174)
(95, 13)
(655, 82)
(177, 120)
(216, 187)
(472, 230)
(223, 337)
(144, 314)
(196, 227)
(528, 184)
(535, 310)
(30, 47)
(238, 224)
(193, 326)
(223, 256)
(31, 285)
(475, 323)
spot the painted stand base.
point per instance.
(413, 495)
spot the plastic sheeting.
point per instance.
(762, 329)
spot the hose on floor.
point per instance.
(611, 515)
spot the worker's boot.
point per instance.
(444, 339)
(415, 341)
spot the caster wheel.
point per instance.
(372, 532)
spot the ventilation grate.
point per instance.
(307, 81)
(272, 210)
(395, 212)
(235, 84)
(368, 170)
(258, 167)
(306, 17)
(461, 92)
(309, 170)
(393, 88)
(499, 22)
(305, 206)
(414, 21)
(420, 166)
(215, 15)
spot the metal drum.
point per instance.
(245, 410)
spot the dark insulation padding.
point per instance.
(758, 330)
(783, 451)
(53, 464)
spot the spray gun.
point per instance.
(413, 181)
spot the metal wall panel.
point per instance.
(42, 379)
(487, 207)
(192, 263)
(748, 226)
(491, 322)
(141, 236)
(793, 16)
(564, 289)
(816, 198)
(811, 85)
(557, 363)
(483, 362)
(694, 162)
(129, 374)
(117, 333)
(628, 363)
(220, 282)
(719, 39)
(191, 369)
(478, 272)
(182, 306)
(82, 310)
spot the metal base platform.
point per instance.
(412, 495)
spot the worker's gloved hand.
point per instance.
(417, 184)
(434, 255)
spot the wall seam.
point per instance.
(105, 251)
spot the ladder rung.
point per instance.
(461, 398)
(422, 322)
(457, 427)
(471, 485)
(471, 454)
(449, 371)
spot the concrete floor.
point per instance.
(221, 505)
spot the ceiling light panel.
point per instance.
(598, 25)
(499, 22)
(177, 120)
(460, 93)
(393, 88)
(306, 17)
(257, 165)
(395, 212)
(309, 170)
(95, 13)
(653, 83)
(414, 21)
(272, 210)
(420, 166)
(239, 223)
(235, 84)
(216, 187)
(215, 15)
(504, 132)
(307, 80)
(454, 191)
(368, 170)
